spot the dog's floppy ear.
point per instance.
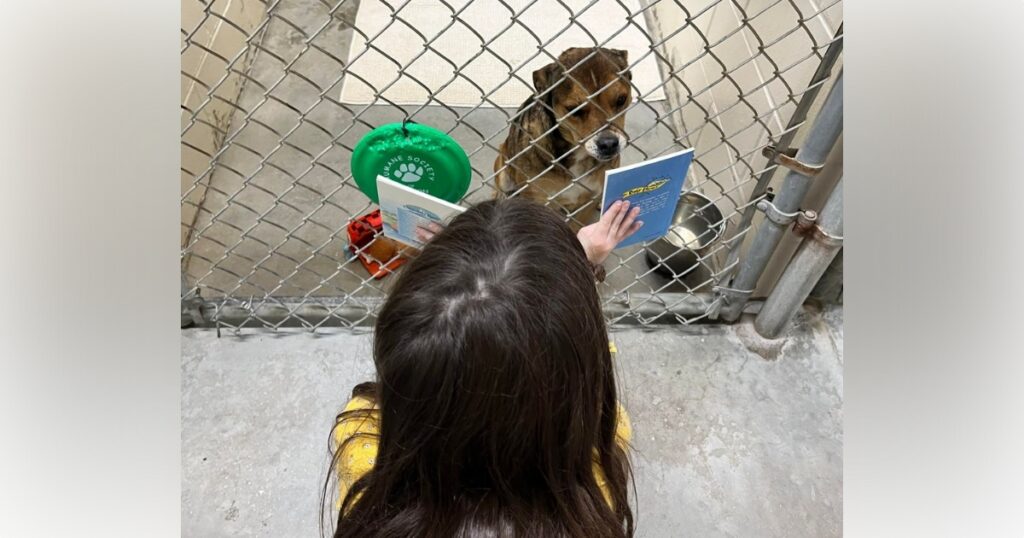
(545, 77)
(621, 59)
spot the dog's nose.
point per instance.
(608, 144)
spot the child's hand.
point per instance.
(426, 233)
(600, 238)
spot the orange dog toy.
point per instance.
(378, 254)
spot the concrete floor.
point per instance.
(727, 443)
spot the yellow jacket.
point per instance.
(358, 456)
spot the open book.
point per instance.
(404, 209)
(654, 186)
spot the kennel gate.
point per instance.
(276, 94)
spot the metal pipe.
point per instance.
(667, 305)
(827, 127)
(811, 260)
(829, 289)
(335, 312)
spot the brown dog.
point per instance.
(568, 133)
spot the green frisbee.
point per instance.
(416, 156)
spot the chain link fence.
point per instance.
(275, 95)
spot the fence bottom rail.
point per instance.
(638, 309)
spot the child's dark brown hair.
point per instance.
(496, 390)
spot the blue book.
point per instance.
(655, 186)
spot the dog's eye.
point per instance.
(620, 102)
(580, 114)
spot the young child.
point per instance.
(494, 412)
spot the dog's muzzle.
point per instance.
(606, 144)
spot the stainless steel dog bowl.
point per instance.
(696, 226)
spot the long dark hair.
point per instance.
(496, 390)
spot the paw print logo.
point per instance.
(409, 173)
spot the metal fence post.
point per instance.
(829, 289)
(827, 127)
(820, 246)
